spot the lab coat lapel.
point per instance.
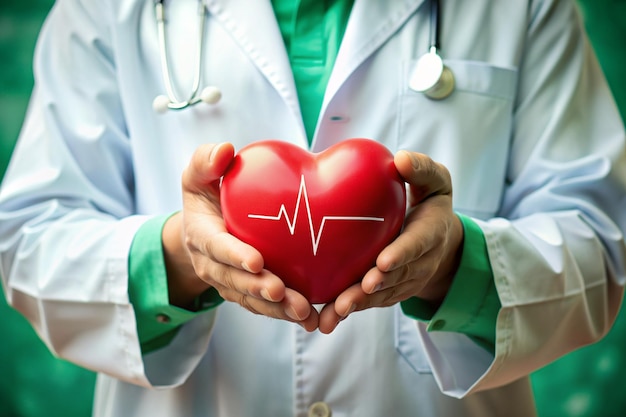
(371, 24)
(253, 25)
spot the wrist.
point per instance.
(440, 283)
(184, 285)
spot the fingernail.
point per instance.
(350, 311)
(214, 152)
(413, 159)
(377, 288)
(266, 294)
(246, 267)
(390, 267)
(291, 312)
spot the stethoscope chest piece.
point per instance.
(431, 77)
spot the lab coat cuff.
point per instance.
(157, 320)
(472, 304)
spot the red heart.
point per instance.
(319, 220)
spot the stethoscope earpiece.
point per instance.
(209, 95)
(430, 76)
(161, 104)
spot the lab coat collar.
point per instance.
(253, 25)
(371, 24)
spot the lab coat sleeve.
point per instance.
(471, 306)
(67, 207)
(158, 322)
(556, 247)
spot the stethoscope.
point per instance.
(429, 76)
(208, 95)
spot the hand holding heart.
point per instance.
(200, 252)
(422, 260)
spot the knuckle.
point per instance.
(390, 297)
(443, 170)
(189, 241)
(244, 301)
(211, 246)
(407, 272)
(227, 294)
(224, 276)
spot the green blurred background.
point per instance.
(590, 382)
(32, 382)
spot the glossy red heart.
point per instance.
(319, 220)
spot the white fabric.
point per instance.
(531, 136)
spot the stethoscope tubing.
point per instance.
(174, 102)
(430, 76)
(434, 39)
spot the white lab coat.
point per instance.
(531, 137)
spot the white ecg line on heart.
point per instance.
(315, 240)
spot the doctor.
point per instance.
(511, 256)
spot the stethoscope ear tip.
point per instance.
(160, 104)
(211, 95)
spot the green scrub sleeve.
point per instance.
(472, 304)
(157, 320)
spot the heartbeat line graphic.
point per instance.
(291, 223)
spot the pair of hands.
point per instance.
(200, 253)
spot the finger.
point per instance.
(300, 310)
(354, 299)
(414, 241)
(423, 231)
(208, 164)
(201, 212)
(329, 319)
(419, 273)
(205, 229)
(293, 307)
(336, 311)
(208, 237)
(424, 176)
(390, 296)
(263, 285)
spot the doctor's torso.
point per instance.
(367, 94)
(375, 364)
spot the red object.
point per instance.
(319, 220)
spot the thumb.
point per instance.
(208, 164)
(424, 176)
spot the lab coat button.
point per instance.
(439, 324)
(339, 118)
(320, 409)
(163, 318)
